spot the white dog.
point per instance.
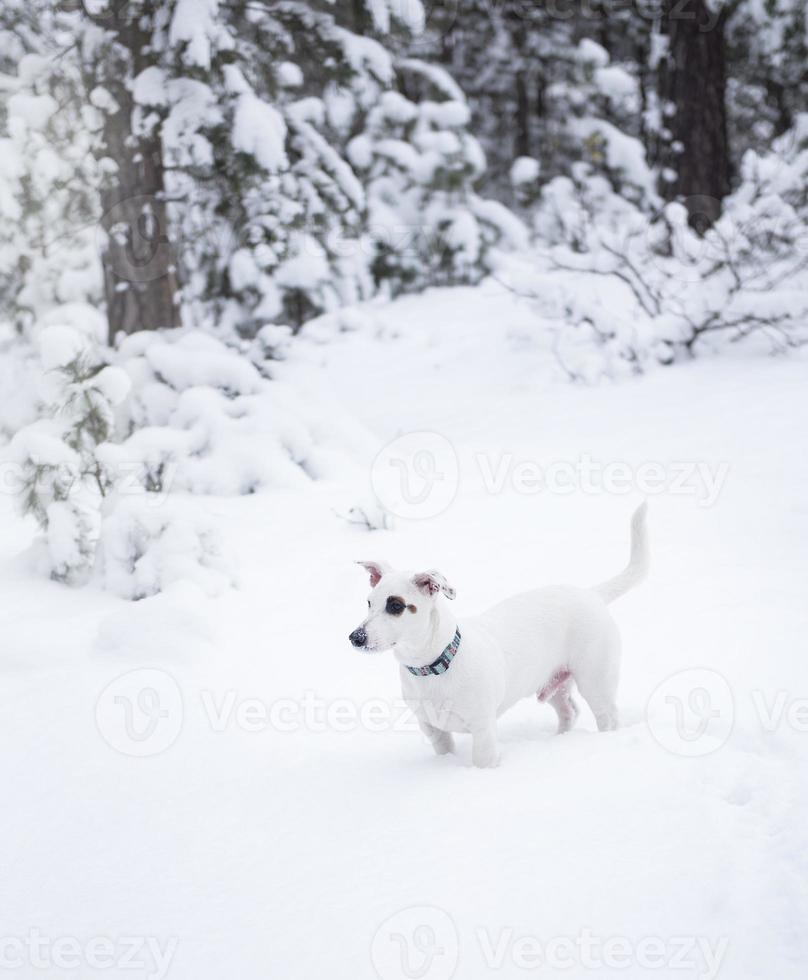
(462, 677)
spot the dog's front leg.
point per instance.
(442, 742)
(484, 747)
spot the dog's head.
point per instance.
(400, 607)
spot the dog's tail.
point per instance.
(637, 568)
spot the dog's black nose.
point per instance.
(359, 637)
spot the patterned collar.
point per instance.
(441, 665)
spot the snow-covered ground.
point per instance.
(203, 789)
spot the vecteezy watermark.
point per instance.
(310, 713)
(36, 951)
(315, 714)
(141, 712)
(418, 943)
(692, 712)
(779, 710)
(694, 478)
(600, 10)
(699, 955)
(130, 478)
(422, 942)
(441, 15)
(417, 476)
(134, 235)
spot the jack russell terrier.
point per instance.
(461, 678)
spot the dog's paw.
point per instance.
(485, 749)
(443, 743)
(486, 760)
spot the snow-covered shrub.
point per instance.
(643, 288)
(124, 433)
(204, 417)
(420, 164)
(147, 545)
(271, 343)
(62, 476)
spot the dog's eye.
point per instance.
(395, 606)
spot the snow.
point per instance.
(499, 216)
(380, 11)
(259, 129)
(147, 546)
(395, 107)
(616, 83)
(113, 383)
(525, 170)
(360, 151)
(450, 113)
(623, 153)
(364, 54)
(34, 111)
(411, 13)
(306, 269)
(149, 87)
(242, 269)
(194, 22)
(19, 373)
(195, 359)
(318, 149)
(290, 75)
(41, 442)
(82, 318)
(438, 77)
(192, 101)
(590, 52)
(340, 108)
(408, 12)
(66, 526)
(59, 345)
(282, 812)
(102, 99)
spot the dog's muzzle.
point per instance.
(359, 637)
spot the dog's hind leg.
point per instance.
(557, 692)
(605, 712)
(597, 677)
(565, 706)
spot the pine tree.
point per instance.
(62, 474)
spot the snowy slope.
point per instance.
(270, 806)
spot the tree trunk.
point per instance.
(139, 263)
(360, 17)
(694, 82)
(522, 129)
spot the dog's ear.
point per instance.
(432, 582)
(375, 569)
